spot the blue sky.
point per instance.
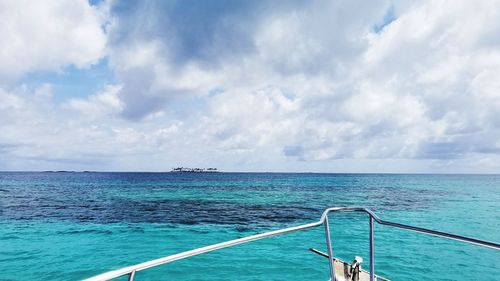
(71, 82)
(315, 86)
(390, 16)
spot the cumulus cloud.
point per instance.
(302, 85)
(101, 105)
(48, 35)
(437, 63)
(80, 134)
(185, 48)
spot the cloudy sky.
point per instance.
(315, 86)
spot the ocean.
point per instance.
(69, 226)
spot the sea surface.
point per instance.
(69, 226)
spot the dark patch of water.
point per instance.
(123, 197)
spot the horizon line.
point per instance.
(247, 172)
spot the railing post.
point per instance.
(331, 261)
(131, 276)
(372, 252)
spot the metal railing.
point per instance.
(131, 270)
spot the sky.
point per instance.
(269, 86)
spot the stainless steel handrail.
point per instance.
(373, 217)
(131, 270)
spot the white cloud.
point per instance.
(82, 134)
(100, 105)
(149, 81)
(48, 35)
(306, 87)
(436, 59)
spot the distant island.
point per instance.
(194, 170)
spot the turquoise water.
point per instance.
(68, 226)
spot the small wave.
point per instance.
(85, 231)
(10, 237)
